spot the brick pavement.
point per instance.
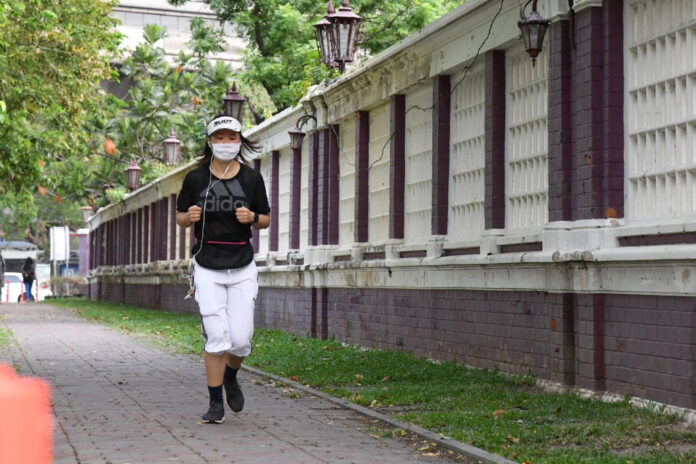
(120, 400)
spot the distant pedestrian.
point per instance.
(28, 277)
(223, 198)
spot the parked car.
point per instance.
(13, 289)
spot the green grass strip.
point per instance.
(502, 414)
(5, 337)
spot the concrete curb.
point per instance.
(448, 443)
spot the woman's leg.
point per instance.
(235, 362)
(241, 297)
(214, 368)
(211, 296)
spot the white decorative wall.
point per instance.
(284, 201)
(526, 141)
(467, 155)
(419, 135)
(660, 109)
(263, 233)
(346, 186)
(304, 196)
(379, 162)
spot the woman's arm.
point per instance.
(189, 217)
(263, 222)
(246, 216)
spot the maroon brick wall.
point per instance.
(332, 185)
(626, 344)
(362, 188)
(596, 188)
(494, 198)
(559, 121)
(648, 346)
(274, 200)
(441, 154)
(397, 165)
(284, 309)
(639, 345)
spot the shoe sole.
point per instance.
(214, 421)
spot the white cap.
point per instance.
(224, 122)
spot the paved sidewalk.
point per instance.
(120, 400)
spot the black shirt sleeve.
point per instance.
(186, 197)
(260, 200)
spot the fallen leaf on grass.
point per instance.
(498, 413)
(513, 439)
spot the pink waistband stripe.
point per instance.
(226, 243)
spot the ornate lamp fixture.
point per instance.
(296, 134)
(342, 34)
(133, 175)
(323, 29)
(233, 103)
(86, 212)
(533, 28)
(172, 149)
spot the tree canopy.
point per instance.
(53, 54)
(282, 54)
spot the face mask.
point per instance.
(225, 151)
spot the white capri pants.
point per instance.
(226, 299)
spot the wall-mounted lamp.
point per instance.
(172, 149)
(342, 34)
(296, 134)
(133, 175)
(233, 103)
(323, 29)
(86, 213)
(533, 28)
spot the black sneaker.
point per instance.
(215, 414)
(233, 393)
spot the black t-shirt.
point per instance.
(226, 241)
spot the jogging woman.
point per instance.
(223, 198)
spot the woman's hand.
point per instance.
(244, 215)
(194, 213)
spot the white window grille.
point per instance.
(266, 174)
(379, 162)
(526, 142)
(660, 109)
(419, 136)
(467, 155)
(284, 200)
(304, 195)
(346, 187)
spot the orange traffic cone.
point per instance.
(25, 419)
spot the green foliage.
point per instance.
(282, 54)
(62, 43)
(180, 96)
(53, 54)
